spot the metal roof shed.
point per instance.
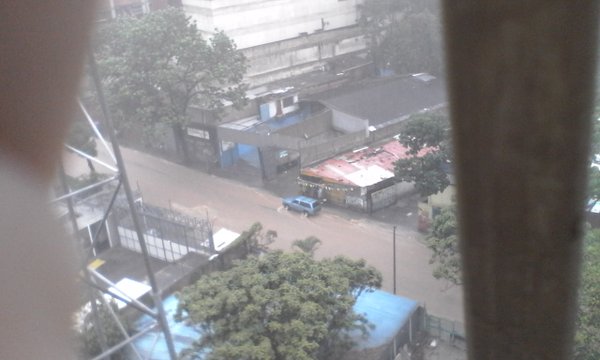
(390, 314)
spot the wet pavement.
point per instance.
(402, 213)
(236, 198)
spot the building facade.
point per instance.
(258, 22)
(110, 9)
(362, 179)
(282, 38)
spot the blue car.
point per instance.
(302, 204)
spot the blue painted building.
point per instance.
(249, 139)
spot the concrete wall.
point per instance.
(430, 208)
(257, 22)
(261, 140)
(387, 132)
(388, 196)
(158, 248)
(364, 201)
(356, 202)
(269, 162)
(347, 123)
(282, 38)
(108, 9)
(444, 198)
(291, 137)
(331, 147)
(286, 58)
(316, 124)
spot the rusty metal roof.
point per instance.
(362, 167)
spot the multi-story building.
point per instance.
(110, 9)
(282, 38)
(293, 48)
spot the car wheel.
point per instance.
(286, 207)
(305, 213)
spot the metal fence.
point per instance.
(450, 331)
(420, 326)
(169, 235)
(397, 348)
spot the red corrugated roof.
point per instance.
(361, 168)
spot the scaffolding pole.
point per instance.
(156, 296)
(88, 275)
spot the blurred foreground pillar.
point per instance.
(521, 77)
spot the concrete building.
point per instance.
(257, 22)
(378, 106)
(282, 38)
(110, 9)
(294, 49)
(367, 113)
(306, 126)
(432, 205)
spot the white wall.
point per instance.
(257, 22)
(347, 123)
(284, 110)
(158, 248)
(318, 47)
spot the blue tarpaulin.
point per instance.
(152, 346)
(387, 312)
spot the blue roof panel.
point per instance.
(387, 312)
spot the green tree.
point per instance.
(594, 172)
(255, 241)
(375, 17)
(587, 338)
(414, 45)
(594, 183)
(427, 138)
(89, 342)
(595, 148)
(156, 66)
(403, 35)
(308, 245)
(443, 242)
(278, 306)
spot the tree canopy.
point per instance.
(308, 245)
(89, 342)
(403, 35)
(443, 242)
(427, 137)
(594, 183)
(278, 306)
(594, 172)
(587, 337)
(156, 66)
(255, 240)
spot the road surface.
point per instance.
(235, 206)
